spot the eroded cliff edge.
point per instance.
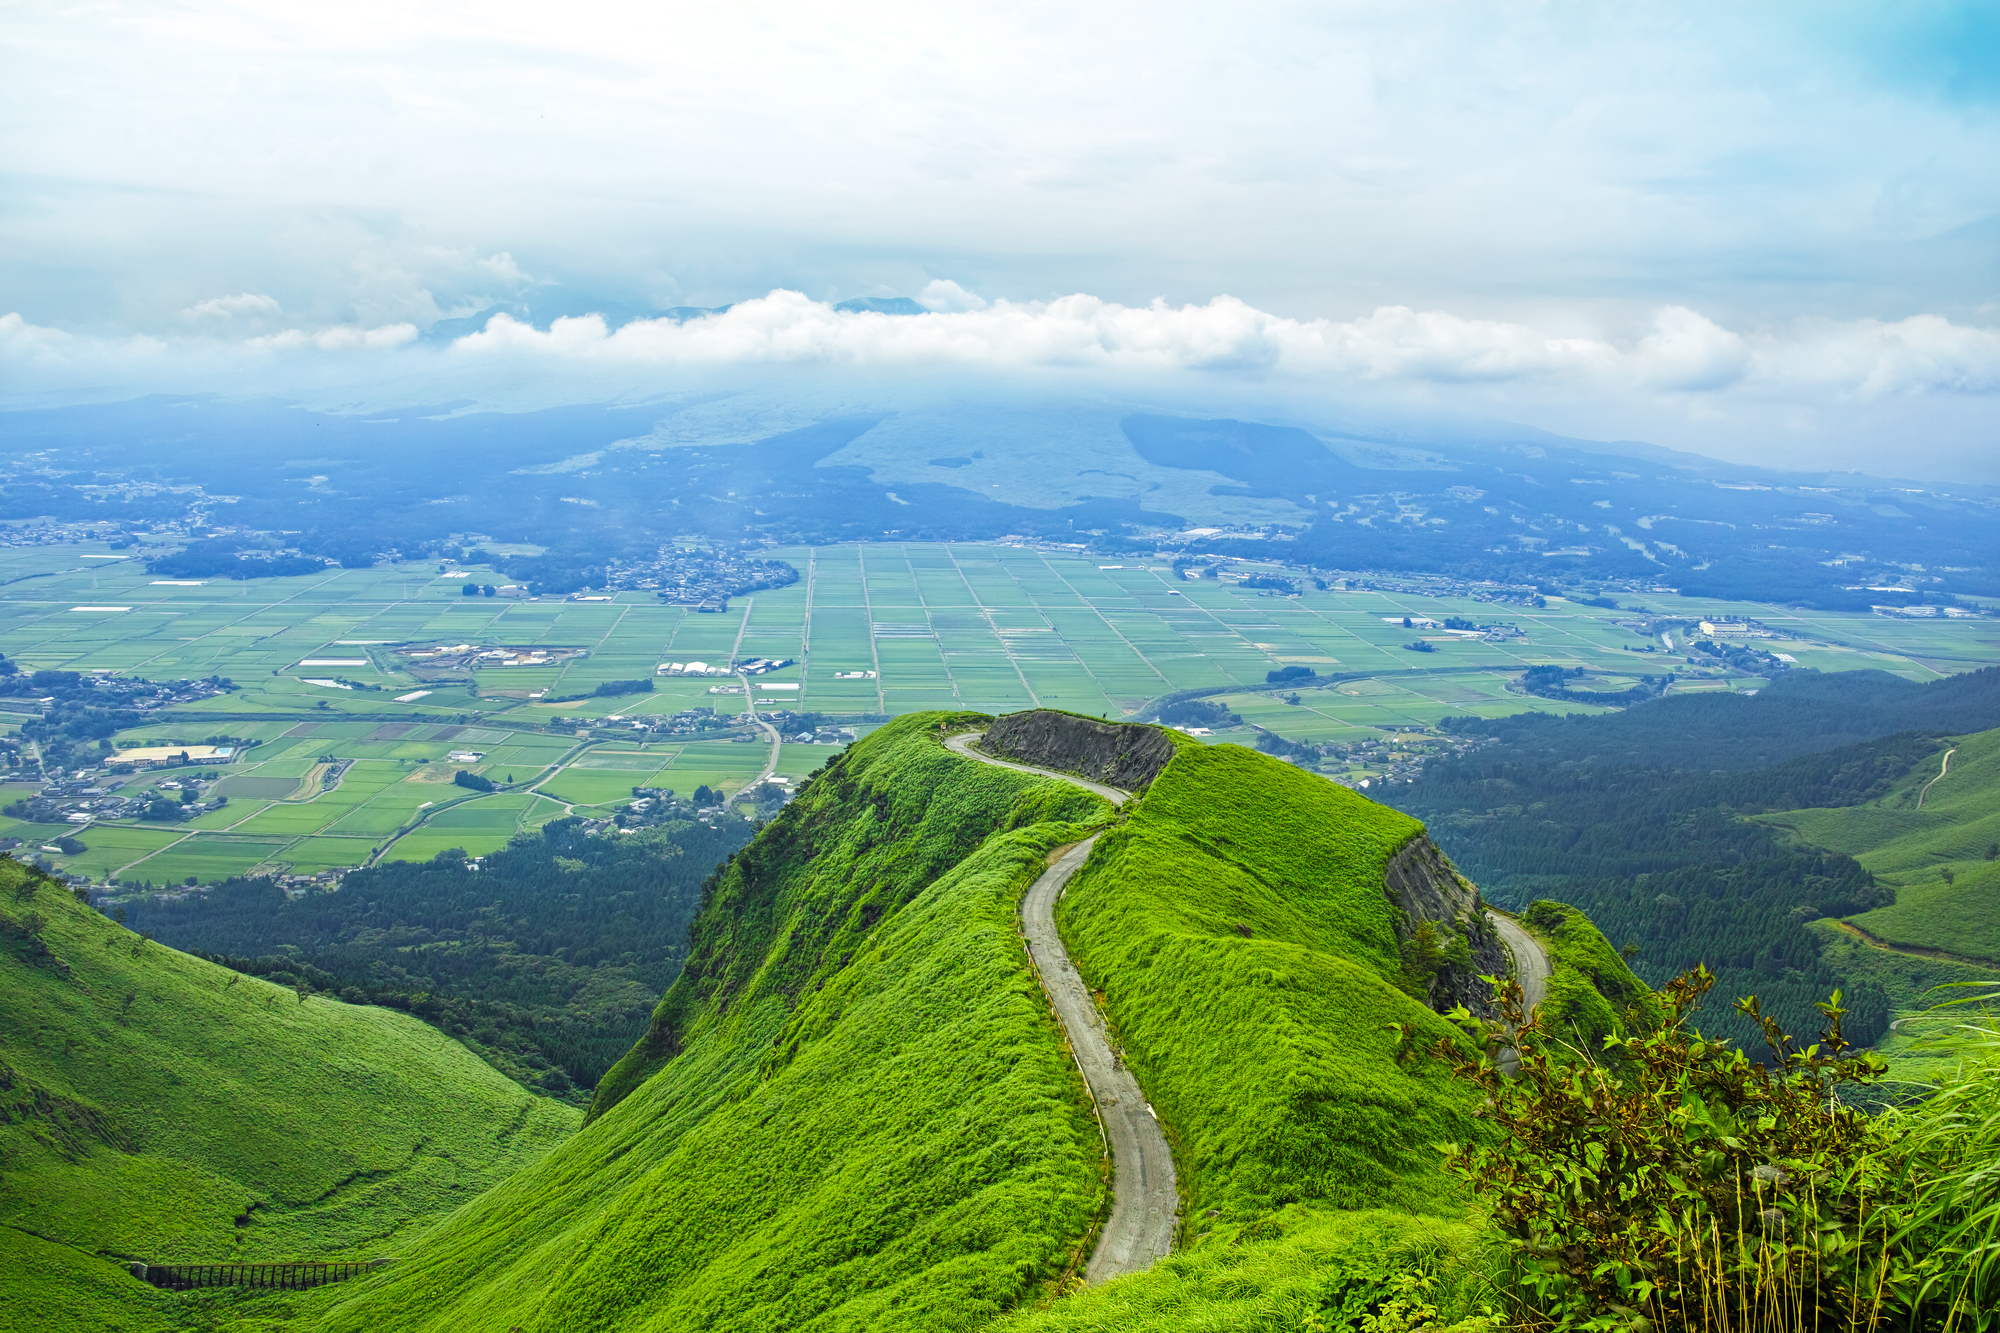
(1448, 943)
(1118, 754)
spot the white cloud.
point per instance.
(1690, 352)
(1684, 353)
(1875, 359)
(248, 304)
(341, 338)
(503, 267)
(943, 296)
(1350, 154)
(1812, 393)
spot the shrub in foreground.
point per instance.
(1667, 1181)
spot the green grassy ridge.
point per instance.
(1915, 849)
(1237, 928)
(1961, 918)
(1590, 987)
(868, 1118)
(153, 1098)
(868, 832)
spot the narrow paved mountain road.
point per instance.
(1145, 1202)
(1531, 964)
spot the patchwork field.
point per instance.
(889, 628)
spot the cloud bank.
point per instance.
(1815, 390)
(1682, 352)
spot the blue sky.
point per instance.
(1762, 231)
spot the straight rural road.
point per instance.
(1145, 1202)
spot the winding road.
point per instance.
(1145, 1201)
(1531, 964)
(1943, 769)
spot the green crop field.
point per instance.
(163, 1108)
(878, 628)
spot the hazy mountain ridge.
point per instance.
(595, 484)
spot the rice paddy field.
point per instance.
(874, 629)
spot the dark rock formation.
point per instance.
(1117, 754)
(1447, 941)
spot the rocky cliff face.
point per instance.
(1447, 941)
(1117, 754)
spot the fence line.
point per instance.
(276, 1276)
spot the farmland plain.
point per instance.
(872, 629)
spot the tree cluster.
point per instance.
(546, 958)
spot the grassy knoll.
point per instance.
(854, 1109)
(159, 1107)
(44, 1285)
(1590, 987)
(1237, 926)
(1943, 857)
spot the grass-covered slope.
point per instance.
(1943, 857)
(1237, 927)
(158, 1107)
(854, 1109)
(1590, 987)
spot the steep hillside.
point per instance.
(1935, 837)
(1114, 753)
(1590, 987)
(853, 1109)
(1238, 928)
(157, 1107)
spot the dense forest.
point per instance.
(546, 957)
(1637, 817)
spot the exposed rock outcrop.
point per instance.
(1441, 924)
(1118, 754)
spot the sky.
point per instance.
(1768, 233)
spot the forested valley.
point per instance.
(1639, 819)
(546, 957)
